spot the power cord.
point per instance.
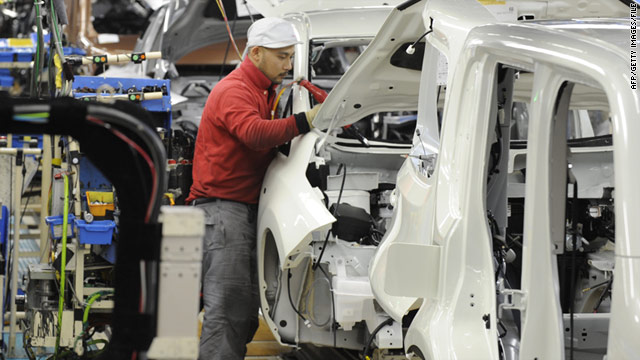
(365, 353)
(342, 167)
(333, 307)
(412, 48)
(306, 322)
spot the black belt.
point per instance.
(203, 201)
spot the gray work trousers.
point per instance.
(229, 280)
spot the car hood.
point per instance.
(384, 77)
(281, 8)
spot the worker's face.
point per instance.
(274, 63)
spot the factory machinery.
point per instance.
(106, 158)
(104, 264)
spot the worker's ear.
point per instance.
(255, 54)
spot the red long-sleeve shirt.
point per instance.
(236, 140)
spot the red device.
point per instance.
(318, 94)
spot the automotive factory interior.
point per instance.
(319, 179)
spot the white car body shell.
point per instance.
(448, 324)
(439, 215)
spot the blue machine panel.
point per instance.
(23, 50)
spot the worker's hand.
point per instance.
(311, 114)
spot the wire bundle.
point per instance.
(132, 140)
(226, 22)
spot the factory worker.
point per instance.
(235, 144)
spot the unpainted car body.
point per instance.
(456, 319)
(428, 286)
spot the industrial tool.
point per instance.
(318, 94)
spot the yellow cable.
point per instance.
(58, 64)
(275, 104)
(169, 196)
(226, 22)
(221, 9)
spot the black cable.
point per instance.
(365, 353)
(151, 139)
(412, 46)
(137, 236)
(335, 211)
(604, 294)
(333, 307)
(376, 235)
(291, 299)
(50, 66)
(40, 39)
(574, 239)
(501, 325)
(156, 150)
(420, 38)
(34, 75)
(593, 287)
(153, 143)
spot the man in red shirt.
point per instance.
(236, 142)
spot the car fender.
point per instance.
(289, 207)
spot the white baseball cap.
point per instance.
(273, 33)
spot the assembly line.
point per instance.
(257, 179)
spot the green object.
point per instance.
(85, 316)
(96, 59)
(35, 115)
(132, 97)
(135, 57)
(92, 298)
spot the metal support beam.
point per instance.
(17, 195)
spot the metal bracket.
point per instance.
(512, 299)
